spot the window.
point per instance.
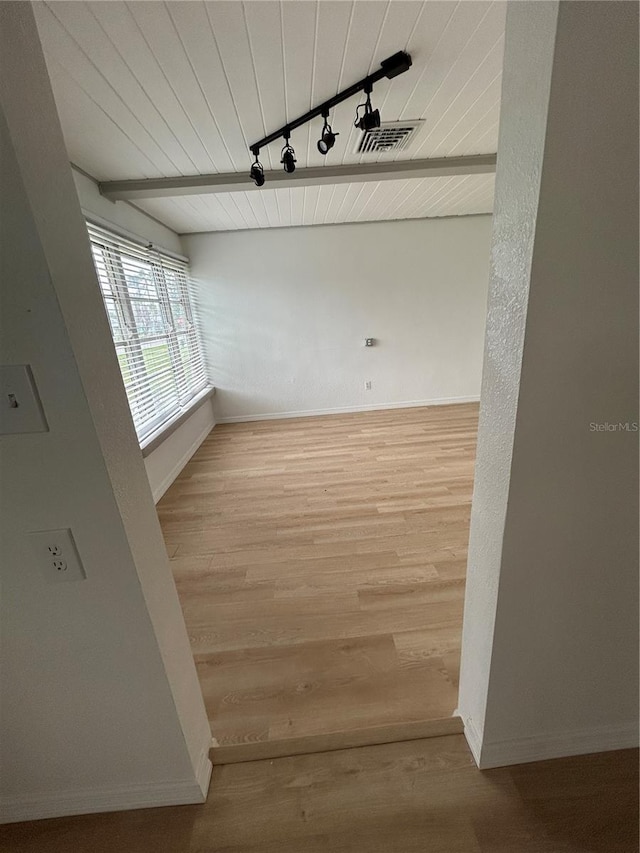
(148, 301)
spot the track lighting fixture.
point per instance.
(328, 138)
(257, 172)
(370, 118)
(288, 156)
(389, 68)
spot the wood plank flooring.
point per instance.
(320, 566)
(412, 797)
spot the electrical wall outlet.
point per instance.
(367, 385)
(57, 555)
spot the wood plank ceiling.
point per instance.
(154, 89)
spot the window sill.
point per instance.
(153, 441)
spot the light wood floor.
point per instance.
(320, 566)
(423, 796)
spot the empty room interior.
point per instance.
(319, 415)
(317, 535)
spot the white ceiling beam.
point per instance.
(353, 173)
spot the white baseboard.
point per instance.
(205, 767)
(176, 792)
(545, 746)
(369, 407)
(473, 738)
(160, 489)
(125, 797)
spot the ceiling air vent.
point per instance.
(390, 136)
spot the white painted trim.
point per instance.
(204, 770)
(473, 738)
(370, 407)
(204, 766)
(322, 225)
(177, 468)
(157, 437)
(101, 222)
(124, 797)
(545, 746)
(474, 164)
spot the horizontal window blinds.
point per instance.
(149, 302)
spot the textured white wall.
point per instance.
(286, 312)
(100, 703)
(550, 650)
(527, 64)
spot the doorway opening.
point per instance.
(320, 564)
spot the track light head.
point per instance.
(326, 142)
(257, 172)
(257, 175)
(327, 139)
(370, 118)
(288, 157)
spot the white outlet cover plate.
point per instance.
(20, 407)
(56, 555)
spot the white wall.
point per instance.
(168, 459)
(100, 703)
(550, 646)
(527, 62)
(286, 312)
(165, 462)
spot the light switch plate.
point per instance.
(56, 554)
(20, 407)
